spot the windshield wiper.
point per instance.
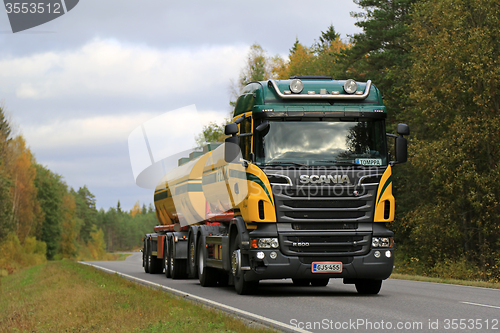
(284, 163)
(342, 162)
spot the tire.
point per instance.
(155, 264)
(192, 263)
(241, 286)
(208, 276)
(177, 266)
(145, 257)
(166, 256)
(368, 287)
(320, 282)
(301, 282)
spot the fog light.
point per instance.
(260, 255)
(377, 254)
(388, 254)
(273, 255)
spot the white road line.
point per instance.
(248, 315)
(484, 305)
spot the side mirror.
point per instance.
(401, 144)
(231, 129)
(263, 128)
(231, 148)
(403, 129)
(401, 149)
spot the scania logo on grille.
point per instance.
(325, 179)
(299, 244)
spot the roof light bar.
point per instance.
(333, 95)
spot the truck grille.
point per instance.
(326, 243)
(322, 204)
(323, 221)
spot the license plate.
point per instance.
(326, 267)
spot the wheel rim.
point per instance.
(191, 254)
(235, 262)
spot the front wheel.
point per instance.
(368, 287)
(241, 286)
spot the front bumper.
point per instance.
(357, 267)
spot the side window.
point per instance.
(246, 141)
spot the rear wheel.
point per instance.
(177, 266)
(193, 267)
(155, 264)
(368, 287)
(145, 257)
(241, 286)
(166, 256)
(208, 276)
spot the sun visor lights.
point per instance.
(350, 86)
(296, 86)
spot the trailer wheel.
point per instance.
(177, 266)
(193, 268)
(208, 276)
(320, 282)
(368, 287)
(166, 256)
(145, 257)
(154, 263)
(241, 286)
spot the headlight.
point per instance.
(382, 242)
(350, 86)
(265, 243)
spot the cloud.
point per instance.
(80, 133)
(106, 67)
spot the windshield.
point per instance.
(322, 143)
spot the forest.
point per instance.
(437, 64)
(41, 218)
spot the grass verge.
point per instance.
(64, 296)
(447, 281)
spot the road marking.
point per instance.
(484, 305)
(247, 315)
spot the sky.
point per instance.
(78, 86)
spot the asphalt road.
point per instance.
(401, 306)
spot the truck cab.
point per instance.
(322, 146)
